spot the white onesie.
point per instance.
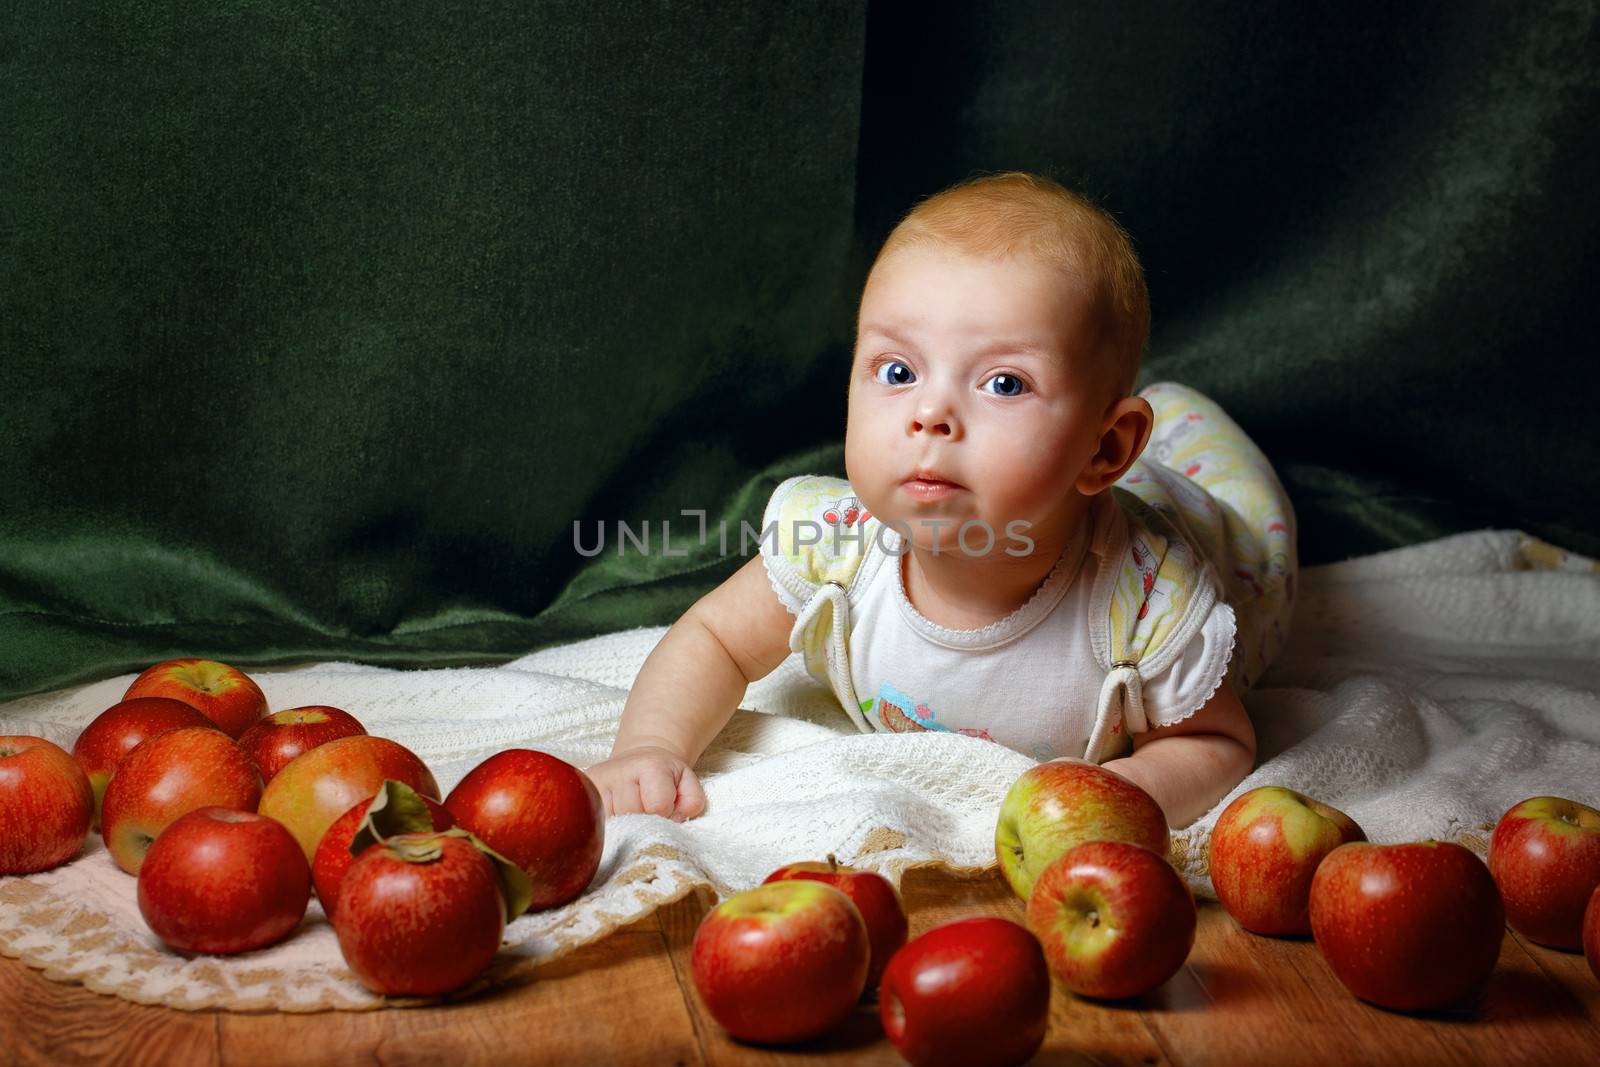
(1029, 681)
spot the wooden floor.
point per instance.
(1240, 1000)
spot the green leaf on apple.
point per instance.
(397, 809)
(515, 886)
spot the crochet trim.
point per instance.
(1221, 670)
(1024, 618)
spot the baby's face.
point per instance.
(972, 369)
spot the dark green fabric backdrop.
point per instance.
(323, 323)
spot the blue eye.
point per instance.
(1007, 385)
(899, 373)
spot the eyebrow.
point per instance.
(996, 348)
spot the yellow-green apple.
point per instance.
(541, 813)
(420, 914)
(1410, 927)
(45, 805)
(785, 961)
(1265, 846)
(874, 897)
(225, 695)
(221, 881)
(280, 737)
(118, 730)
(415, 814)
(170, 775)
(318, 786)
(970, 993)
(1545, 857)
(1056, 805)
(1591, 932)
(1114, 918)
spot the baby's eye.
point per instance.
(1007, 385)
(897, 373)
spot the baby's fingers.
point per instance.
(691, 797)
(624, 799)
(657, 792)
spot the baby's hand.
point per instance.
(650, 780)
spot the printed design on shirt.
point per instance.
(1144, 558)
(845, 511)
(1154, 588)
(902, 714)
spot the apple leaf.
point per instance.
(397, 809)
(515, 885)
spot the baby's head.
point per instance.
(999, 336)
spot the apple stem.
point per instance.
(833, 863)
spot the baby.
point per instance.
(990, 409)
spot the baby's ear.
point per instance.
(1124, 433)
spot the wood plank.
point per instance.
(1570, 970)
(1275, 1001)
(1533, 1017)
(51, 1024)
(1240, 999)
(613, 1002)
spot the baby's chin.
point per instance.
(927, 527)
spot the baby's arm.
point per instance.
(686, 692)
(1189, 766)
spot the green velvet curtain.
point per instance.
(323, 323)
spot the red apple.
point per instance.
(45, 805)
(541, 813)
(169, 775)
(785, 961)
(970, 993)
(1265, 847)
(1115, 919)
(280, 737)
(1545, 857)
(318, 786)
(118, 730)
(874, 897)
(420, 914)
(1411, 927)
(1057, 805)
(333, 858)
(222, 881)
(223, 694)
(1591, 932)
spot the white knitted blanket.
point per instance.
(1423, 691)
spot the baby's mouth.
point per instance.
(922, 488)
(930, 478)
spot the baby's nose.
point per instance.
(938, 426)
